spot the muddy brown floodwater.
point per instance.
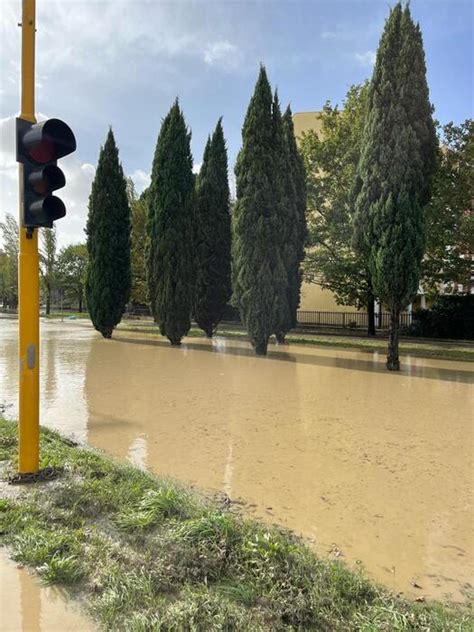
(373, 466)
(27, 606)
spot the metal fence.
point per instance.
(350, 320)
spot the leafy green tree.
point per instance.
(138, 207)
(70, 275)
(4, 284)
(108, 278)
(331, 157)
(9, 262)
(259, 275)
(450, 216)
(171, 230)
(395, 172)
(48, 263)
(213, 235)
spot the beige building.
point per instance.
(313, 297)
(306, 121)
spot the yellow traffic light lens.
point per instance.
(41, 187)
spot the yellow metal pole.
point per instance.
(28, 274)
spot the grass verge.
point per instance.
(434, 350)
(148, 554)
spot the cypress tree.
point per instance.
(293, 179)
(108, 276)
(285, 207)
(259, 275)
(398, 159)
(170, 253)
(213, 276)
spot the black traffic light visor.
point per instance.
(47, 210)
(47, 179)
(48, 141)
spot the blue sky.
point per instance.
(122, 63)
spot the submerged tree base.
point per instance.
(393, 364)
(148, 554)
(261, 348)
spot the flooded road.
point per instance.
(367, 464)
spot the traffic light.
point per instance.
(38, 147)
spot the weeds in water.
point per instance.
(214, 527)
(156, 505)
(36, 545)
(60, 569)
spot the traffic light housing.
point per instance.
(38, 147)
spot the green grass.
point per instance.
(432, 349)
(149, 554)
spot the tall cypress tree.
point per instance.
(398, 159)
(213, 276)
(108, 276)
(285, 207)
(293, 179)
(299, 174)
(259, 275)
(170, 253)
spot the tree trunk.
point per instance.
(48, 301)
(80, 303)
(261, 347)
(280, 338)
(371, 315)
(393, 361)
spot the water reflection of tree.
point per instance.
(188, 404)
(9, 366)
(110, 390)
(48, 368)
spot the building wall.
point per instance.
(313, 297)
(305, 121)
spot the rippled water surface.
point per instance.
(367, 464)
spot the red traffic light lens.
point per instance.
(43, 152)
(47, 141)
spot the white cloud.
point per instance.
(367, 58)
(197, 167)
(223, 54)
(141, 179)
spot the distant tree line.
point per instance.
(62, 272)
(178, 248)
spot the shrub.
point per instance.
(450, 317)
